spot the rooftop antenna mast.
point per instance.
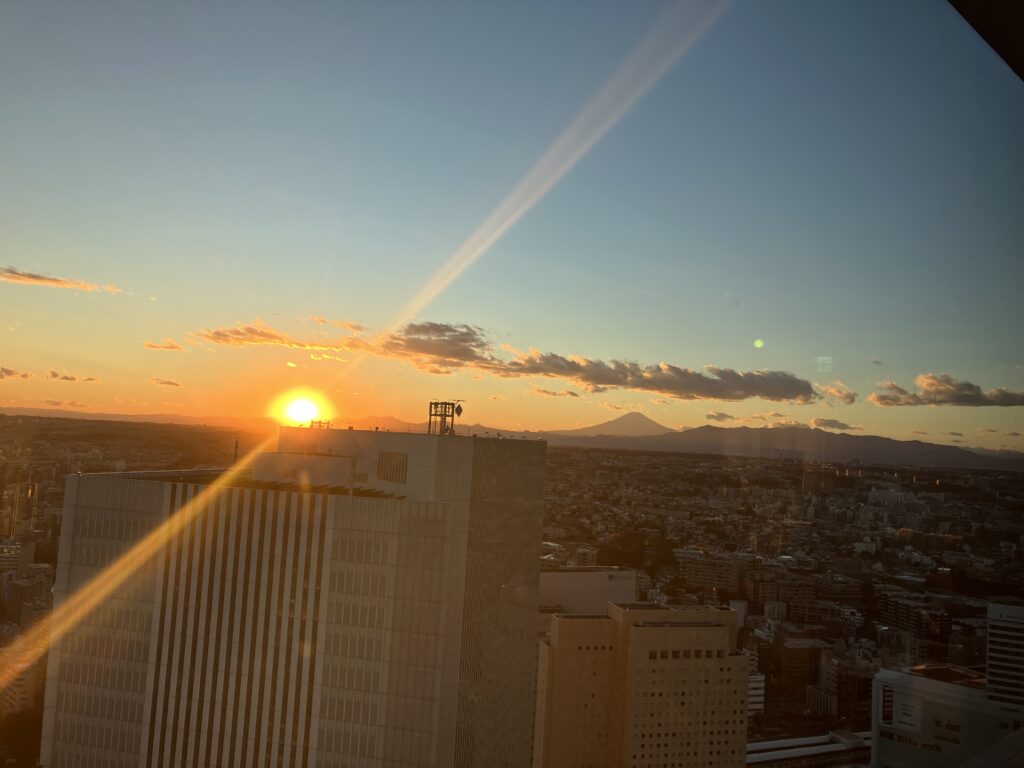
(442, 415)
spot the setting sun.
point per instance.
(301, 410)
(301, 406)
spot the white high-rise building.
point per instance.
(1005, 669)
(363, 599)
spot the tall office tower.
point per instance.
(643, 685)
(363, 599)
(1005, 668)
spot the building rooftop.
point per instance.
(208, 476)
(642, 606)
(971, 677)
(586, 568)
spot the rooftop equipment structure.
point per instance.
(442, 415)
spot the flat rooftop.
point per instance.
(585, 569)
(950, 673)
(209, 476)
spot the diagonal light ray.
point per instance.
(672, 35)
(30, 647)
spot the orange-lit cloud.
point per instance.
(12, 275)
(167, 345)
(10, 373)
(943, 389)
(164, 382)
(58, 376)
(443, 348)
(65, 404)
(838, 391)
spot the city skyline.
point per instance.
(206, 219)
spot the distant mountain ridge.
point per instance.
(801, 443)
(634, 431)
(632, 424)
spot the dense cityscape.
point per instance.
(841, 591)
(512, 385)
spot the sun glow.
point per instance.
(301, 406)
(301, 410)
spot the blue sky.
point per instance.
(840, 179)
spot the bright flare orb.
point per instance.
(301, 406)
(301, 410)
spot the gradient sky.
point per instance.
(842, 180)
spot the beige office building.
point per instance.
(643, 685)
(363, 599)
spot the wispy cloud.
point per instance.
(167, 345)
(327, 356)
(617, 406)
(834, 424)
(541, 392)
(10, 373)
(943, 389)
(58, 376)
(256, 333)
(65, 404)
(164, 382)
(919, 432)
(12, 275)
(348, 325)
(443, 348)
(719, 416)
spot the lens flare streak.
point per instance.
(672, 35)
(30, 647)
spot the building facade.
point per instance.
(641, 685)
(936, 715)
(1005, 652)
(347, 604)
